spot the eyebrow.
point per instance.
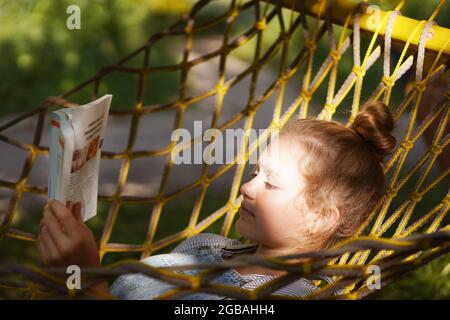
(270, 171)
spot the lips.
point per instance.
(244, 208)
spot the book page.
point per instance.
(79, 182)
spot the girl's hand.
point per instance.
(64, 239)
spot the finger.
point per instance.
(64, 216)
(41, 250)
(51, 252)
(41, 224)
(51, 219)
(77, 211)
(46, 207)
(56, 231)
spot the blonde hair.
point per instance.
(344, 166)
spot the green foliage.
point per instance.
(431, 281)
(42, 57)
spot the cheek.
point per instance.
(272, 203)
(277, 215)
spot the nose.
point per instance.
(248, 190)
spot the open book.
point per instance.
(76, 137)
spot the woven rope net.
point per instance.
(404, 231)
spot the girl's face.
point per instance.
(273, 212)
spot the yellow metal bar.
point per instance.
(400, 32)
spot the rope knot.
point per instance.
(138, 110)
(21, 186)
(351, 119)
(416, 196)
(359, 71)
(182, 104)
(205, 180)
(420, 86)
(189, 27)
(407, 144)
(233, 14)
(388, 81)
(276, 126)
(310, 45)
(391, 192)
(306, 95)
(226, 50)
(261, 24)
(283, 78)
(435, 149)
(330, 108)
(33, 150)
(232, 206)
(285, 36)
(251, 108)
(195, 283)
(257, 65)
(446, 200)
(221, 88)
(335, 56)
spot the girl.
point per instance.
(311, 189)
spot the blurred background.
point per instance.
(40, 57)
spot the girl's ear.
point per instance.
(334, 217)
(325, 221)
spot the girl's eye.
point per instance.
(270, 186)
(254, 174)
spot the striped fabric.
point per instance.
(225, 247)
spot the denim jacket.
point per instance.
(202, 248)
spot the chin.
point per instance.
(242, 228)
(245, 230)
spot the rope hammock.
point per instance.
(402, 233)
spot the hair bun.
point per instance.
(374, 123)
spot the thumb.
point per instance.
(76, 210)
